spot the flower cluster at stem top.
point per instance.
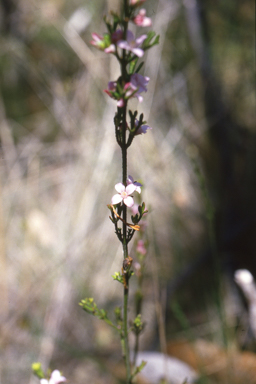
(122, 43)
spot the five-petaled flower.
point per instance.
(131, 44)
(55, 378)
(130, 181)
(124, 194)
(141, 20)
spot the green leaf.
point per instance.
(148, 43)
(108, 25)
(116, 20)
(135, 219)
(139, 67)
(133, 65)
(139, 369)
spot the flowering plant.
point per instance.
(128, 49)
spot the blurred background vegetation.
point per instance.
(59, 164)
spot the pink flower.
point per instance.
(132, 44)
(112, 86)
(123, 194)
(136, 3)
(103, 43)
(111, 91)
(142, 129)
(137, 83)
(97, 41)
(141, 20)
(137, 185)
(55, 378)
(141, 247)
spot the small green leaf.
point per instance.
(139, 67)
(133, 65)
(139, 368)
(135, 219)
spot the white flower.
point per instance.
(55, 378)
(123, 194)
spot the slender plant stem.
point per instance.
(126, 341)
(124, 177)
(125, 252)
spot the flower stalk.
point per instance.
(128, 49)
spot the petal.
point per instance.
(116, 199)
(135, 209)
(130, 188)
(97, 37)
(120, 103)
(147, 22)
(120, 187)
(110, 49)
(140, 39)
(44, 381)
(137, 51)
(129, 201)
(56, 377)
(123, 44)
(130, 179)
(142, 12)
(130, 36)
(140, 98)
(142, 129)
(112, 85)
